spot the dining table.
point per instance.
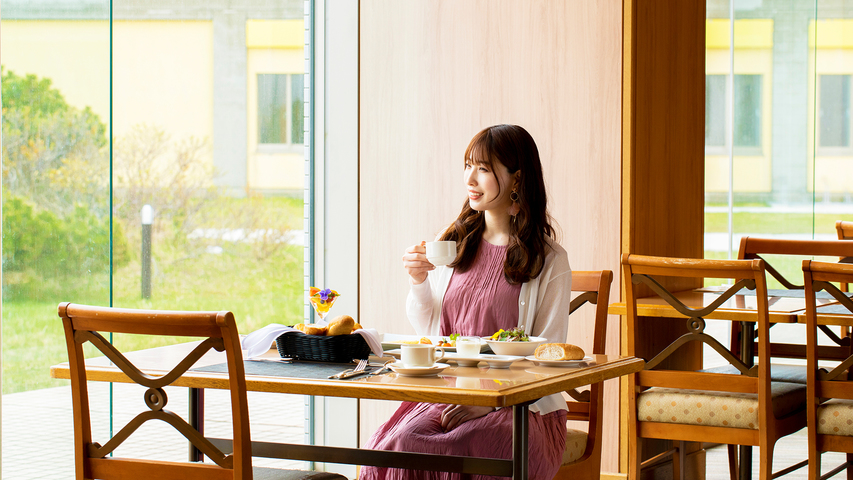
(515, 387)
(784, 307)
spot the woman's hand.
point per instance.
(416, 263)
(455, 415)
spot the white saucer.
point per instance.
(405, 371)
(559, 363)
(494, 361)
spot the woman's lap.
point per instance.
(416, 427)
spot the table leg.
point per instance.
(519, 442)
(747, 342)
(196, 414)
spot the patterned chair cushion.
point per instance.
(718, 409)
(835, 417)
(575, 446)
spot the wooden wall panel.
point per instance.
(663, 157)
(432, 74)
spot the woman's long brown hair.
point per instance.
(513, 147)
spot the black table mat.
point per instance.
(833, 309)
(296, 369)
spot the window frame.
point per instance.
(839, 151)
(738, 150)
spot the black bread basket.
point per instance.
(320, 348)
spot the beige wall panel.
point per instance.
(432, 74)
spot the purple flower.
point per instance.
(324, 294)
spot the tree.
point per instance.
(55, 189)
(54, 154)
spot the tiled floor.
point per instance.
(37, 431)
(38, 437)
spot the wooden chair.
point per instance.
(92, 460)
(755, 248)
(700, 406)
(830, 393)
(582, 459)
(844, 229)
(845, 232)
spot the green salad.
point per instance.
(511, 335)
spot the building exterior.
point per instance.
(231, 74)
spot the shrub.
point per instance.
(39, 245)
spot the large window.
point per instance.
(166, 99)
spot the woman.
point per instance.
(508, 272)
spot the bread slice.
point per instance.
(310, 328)
(559, 351)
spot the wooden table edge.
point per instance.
(416, 393)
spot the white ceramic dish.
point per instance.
(560, 363)
(405, 371)
(514, 348)
(391, 341)
(494, 361)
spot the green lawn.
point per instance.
(774, 222)
(259, 285)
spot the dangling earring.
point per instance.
(515, 208)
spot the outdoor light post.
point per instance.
(147, 220)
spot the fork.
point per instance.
(362, 364)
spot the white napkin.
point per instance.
(258, 342)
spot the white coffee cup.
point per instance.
(441, 253)
(468, 346)
(419, 355)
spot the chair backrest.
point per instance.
(84, 323)
(647, 270)
(845, 232)
(834, 383)
(844, 229)
(754, 247)
(588, 405)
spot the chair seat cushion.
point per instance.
(575, 446)
(718, 409)
(263, 473)
(778, 372)
(835, 417)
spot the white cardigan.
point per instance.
(543, 307)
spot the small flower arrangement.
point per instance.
(322, 300)
(324, 295)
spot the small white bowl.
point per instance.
(521, 349)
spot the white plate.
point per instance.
(405, 371)
(494, 361)
(560, 363)
(391, 341)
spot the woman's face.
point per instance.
(488, 187)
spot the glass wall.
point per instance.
(778, 157)
(191, 112)
(55, 210)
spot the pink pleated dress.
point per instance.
(477, 302)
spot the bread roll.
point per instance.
(559, 351)
(311, 329)
(357, 326)
(341, 326)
